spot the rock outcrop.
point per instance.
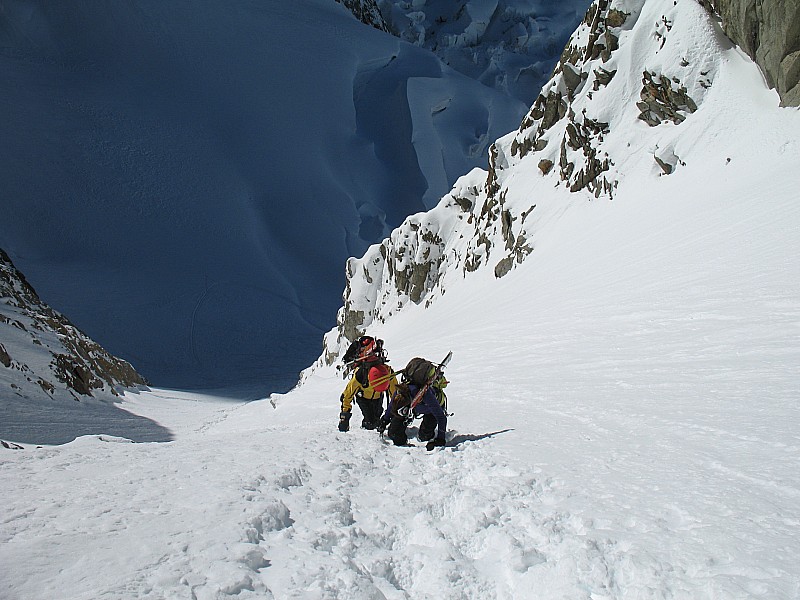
(580, 72)
(366, 11)
(769, 32)
(43, 354)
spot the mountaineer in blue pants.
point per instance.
(431, 409)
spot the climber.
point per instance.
(432, 408)
(372, 379)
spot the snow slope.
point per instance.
(625, 398)
(679, 109)
(625, 426)
(185, 181)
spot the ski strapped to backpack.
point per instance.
(430, 378)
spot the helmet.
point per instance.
(367, 347)
(379, 376)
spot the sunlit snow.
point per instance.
(625, 409)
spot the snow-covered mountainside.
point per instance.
(625, 398)
(509, 45)
(769, 32)
(46, 363)
(184, 181)
(644, 96)
(40, 346)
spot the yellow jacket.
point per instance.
(354, 386)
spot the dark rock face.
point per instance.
(5, 358)
(581, 164)
(663, 99)
(43, 351)
(366, 11)
(769, 32)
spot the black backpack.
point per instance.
(353, 352)
(419, 371)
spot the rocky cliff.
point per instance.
(624, 100)
(43, 355)
(769, 32)
(365, 11)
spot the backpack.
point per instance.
(364, 349)
(363, 369)
(419, 371)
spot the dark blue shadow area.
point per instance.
(210, 167)
(53, 422)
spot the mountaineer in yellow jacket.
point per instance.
(368, 385)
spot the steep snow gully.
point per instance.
(626, 427)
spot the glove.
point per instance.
(382, 424)
(344, 421)
(437, 442)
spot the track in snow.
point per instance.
(359, 519)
